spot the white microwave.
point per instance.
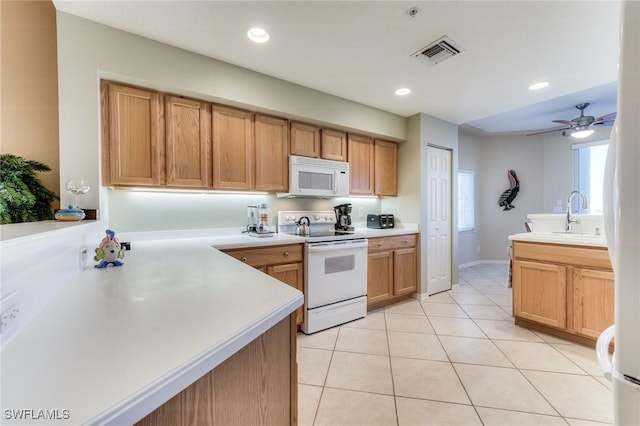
(314, 177)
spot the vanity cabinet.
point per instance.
(566, 290)
(132, 134)
(282, 262)
(391, 269)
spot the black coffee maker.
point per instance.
(343, 217)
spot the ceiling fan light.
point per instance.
(581, 134)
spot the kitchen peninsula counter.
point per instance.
(116, 343)
(563, 284)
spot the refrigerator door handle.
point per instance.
(602, 351)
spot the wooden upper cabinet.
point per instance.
(188, 142)
(305, 140)
(271, 154)
(386, 168)
(133, 138)
(361, 166)
(333, 145)
(232, 148)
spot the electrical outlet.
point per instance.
(10, 316)
(360, 211)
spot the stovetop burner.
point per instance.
(322, 226)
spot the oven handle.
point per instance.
(334, 246)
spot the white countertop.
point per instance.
(116, 343)
(561, 238)
(231, 238)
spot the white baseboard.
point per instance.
(480, 262)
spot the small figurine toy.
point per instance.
(110, 251)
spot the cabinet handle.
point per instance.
(405, 241)
(286, 254)
(244, 258)
(379, 244)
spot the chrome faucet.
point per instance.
(571, 220)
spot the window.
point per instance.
(465, 201)
(589, 160)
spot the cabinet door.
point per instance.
(540, 292)
(305, 140)
(593, 301)
(379, 277)
(271, 154)
(404, 271)
(188, 142)
(232, 148)
(290, 274)
(333, 145)
(135, 137)
(360, 149)
(385, 170)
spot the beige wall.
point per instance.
(29, 115)
(469, 160)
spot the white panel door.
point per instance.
(439, 220)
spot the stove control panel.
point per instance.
(290, 217)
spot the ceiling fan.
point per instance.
(582, 126)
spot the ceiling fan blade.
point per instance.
(549, 131)
(602, 123)
(565, 122)
(608, 117)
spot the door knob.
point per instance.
(244, 258)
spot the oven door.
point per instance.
(335, 271)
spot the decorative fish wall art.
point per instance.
(510, 194)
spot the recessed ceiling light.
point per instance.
(258, 35)
(538, 86)
(403, 91)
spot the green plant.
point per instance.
(23, 198)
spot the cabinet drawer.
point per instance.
(593, 257)
(269, 255)
(392, 243)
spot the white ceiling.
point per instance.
(360, 50)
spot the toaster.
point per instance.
(380, 221)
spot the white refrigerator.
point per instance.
(622, 225)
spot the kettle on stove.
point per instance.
(303, 226)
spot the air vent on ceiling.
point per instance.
(438, 51)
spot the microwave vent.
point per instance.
(440, 50)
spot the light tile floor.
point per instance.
(454, 359)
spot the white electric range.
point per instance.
(335, 270)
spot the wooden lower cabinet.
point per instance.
(379, 277)
(593, 301)
(281, 262)
(540, 292)
(257, 385)
(292, 274)
(563, 290)
(392, 269)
